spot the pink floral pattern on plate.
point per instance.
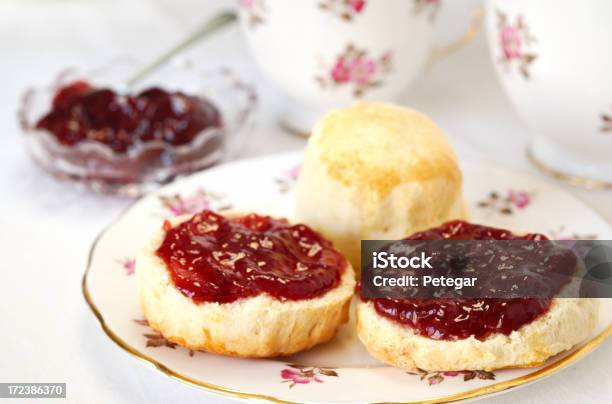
(256, 11)
(178, 204)
(299, 374)
(433, 378)
(128, 265)
(155, 339)
(354, 67)
(606, 122)
(286, 181)
(431, 7)
(345, 9)
(507, 205)
(515, 41)
(561, 233)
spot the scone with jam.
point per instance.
(247, 286)
(477, 334)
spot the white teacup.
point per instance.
(328, 53)
(554, 59)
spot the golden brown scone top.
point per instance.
(377, 146)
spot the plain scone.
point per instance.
(377, 171)
(568, 322)
(256, 327)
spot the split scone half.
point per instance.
(246, 286)
(480, 333)
(567, 322)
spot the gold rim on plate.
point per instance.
(228, 392)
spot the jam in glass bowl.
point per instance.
(89, 127)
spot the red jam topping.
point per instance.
(215, 259)
(82, 112)
(451, 319)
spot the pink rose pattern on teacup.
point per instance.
(355, 68)
(606, 121)
(345, 9)
(299, 374)
(432, 378)
(256, 11)
(431, 7)
(515, 42)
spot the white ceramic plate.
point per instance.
(340, 371)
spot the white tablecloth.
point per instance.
(48, 333)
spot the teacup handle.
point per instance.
(468, 36)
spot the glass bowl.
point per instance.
(145, 165)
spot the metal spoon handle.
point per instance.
(209, 27)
